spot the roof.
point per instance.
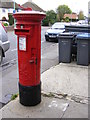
(8, 4)
(33, 6)
(71, 16)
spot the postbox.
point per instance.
(28, 31)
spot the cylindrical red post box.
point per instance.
(28, 31)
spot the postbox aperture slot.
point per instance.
(22, 43)
(21, 31)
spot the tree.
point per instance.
(61, 10)
(81, 15)
(50, 18)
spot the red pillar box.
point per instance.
(28, 31)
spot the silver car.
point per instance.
(4, 43)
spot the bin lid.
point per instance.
(83, 36)
(67, 35)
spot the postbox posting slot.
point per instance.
(22, 31)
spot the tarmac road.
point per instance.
(49, 58)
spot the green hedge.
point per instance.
(11, 19)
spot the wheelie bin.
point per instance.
(83, 49)
(65, 41)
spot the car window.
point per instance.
(58, 26)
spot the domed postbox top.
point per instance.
(30, 12)
(29, 15)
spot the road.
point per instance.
(49, 58)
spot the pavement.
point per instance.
(64, 94)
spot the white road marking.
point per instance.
(13, 50)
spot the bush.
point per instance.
(11, 19)
(5, 24)
(45, 22)
(66, 19)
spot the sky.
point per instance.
(74, 5)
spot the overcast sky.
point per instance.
(74, 5)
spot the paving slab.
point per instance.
(76, 110)
(70, 78)
(48, 108)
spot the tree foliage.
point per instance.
(61, 10)
(81, 15)
(50, 18)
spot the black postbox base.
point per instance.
(30, 95)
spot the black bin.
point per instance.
(65, 41)
(83, 49)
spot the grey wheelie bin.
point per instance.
(89, 50)
(83, 49)
(65, 44)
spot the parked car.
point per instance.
(54, 31)
(83, 22)
(4, 43)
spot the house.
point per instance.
(72, 16)
(6, 8)
(33, 6)
(3, 14)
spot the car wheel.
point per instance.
(1, 57)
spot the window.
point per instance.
(3, 10)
